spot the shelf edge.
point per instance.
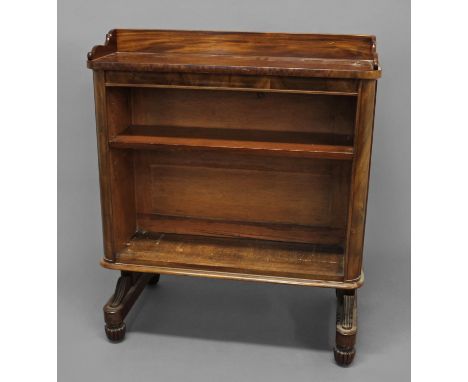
(130, 142)
(226, 88)
(97, 64)
(352, 284)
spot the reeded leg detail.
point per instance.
(128, 288)
(346, 326)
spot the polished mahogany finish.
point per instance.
(301, 55)
(235, 155)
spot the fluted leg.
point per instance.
(129, 286)
(346, 326)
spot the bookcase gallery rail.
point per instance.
(235, 155)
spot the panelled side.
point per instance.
(115, 167)
(360, 178)
(103, 159)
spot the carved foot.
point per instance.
(129, 287)
(115, 334)
(154, 279)
(346, 327)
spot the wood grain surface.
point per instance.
(304, 55)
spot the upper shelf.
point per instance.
(282, 54)
(295, 144)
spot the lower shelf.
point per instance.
(230, 258)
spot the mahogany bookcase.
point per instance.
(238, 156)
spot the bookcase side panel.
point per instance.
(121, 169)
(115, 167)
(360, 179)
(104, 162)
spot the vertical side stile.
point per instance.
(360, 179)
(104, 165)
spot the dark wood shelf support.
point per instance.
(128, 289)
(346, 326)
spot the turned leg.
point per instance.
(346, 326)
(129, 286)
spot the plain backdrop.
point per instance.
(211, 330)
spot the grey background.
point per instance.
(209, 330)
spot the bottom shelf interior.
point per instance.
(243, 256)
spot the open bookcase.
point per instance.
(235, 155)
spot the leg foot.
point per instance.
(116, 334)
(129, 287)
(154, 279)
(346, 327)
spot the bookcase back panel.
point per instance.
(239, 195)
(244, 110)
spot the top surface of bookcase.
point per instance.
(303, 55)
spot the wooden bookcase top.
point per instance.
(277, 54)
